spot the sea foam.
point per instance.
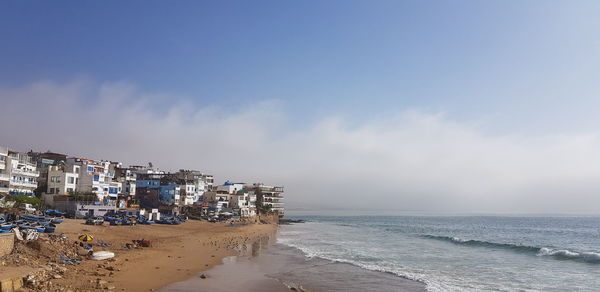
(590, 257)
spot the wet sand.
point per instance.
(235, 274)
(276, 267)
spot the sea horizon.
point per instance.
(291, 213)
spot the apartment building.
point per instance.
(244, 202)
(22, 172)
(270, 196)
(4, 175)
(84, 176)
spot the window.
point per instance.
(58, 190)
(69, 190)
(51, 190)
(96, 178)
(71, 180)
(52, 179)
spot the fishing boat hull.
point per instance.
(57, 221)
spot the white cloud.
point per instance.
(410, 161)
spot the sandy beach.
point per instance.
(273, 267)
(178, 252)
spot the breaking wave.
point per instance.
(590, 257)
(563, 254)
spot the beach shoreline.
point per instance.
(269, 266)
(178, 252)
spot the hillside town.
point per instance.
(84, 188)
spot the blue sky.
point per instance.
(516, 65)
(466, 106)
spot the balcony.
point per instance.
(3, 190)
(26, 172)
(2, 164)
(23, 184)
(4, 177)
(271, 198)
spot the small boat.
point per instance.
(102, 255)
(49, 229)
(147, 222)
(39, 228)
(4, 230)
(44, 223)
(6, 226)
(54, 213)
(57, 220)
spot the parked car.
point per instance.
(94, 221)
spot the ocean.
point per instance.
(447, 253)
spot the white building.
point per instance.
(4, 175)
(22, 174)
(189, 192)
(245, 201)
(231, 187)
(269, 196)
(84, 176)
(218, 199)
(201, 183)
(128, 182)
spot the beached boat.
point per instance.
(54, 213)
(102, 255)
(6, 226)
(44, 223)
(57, 220)
(50, 229)
(162, 221)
